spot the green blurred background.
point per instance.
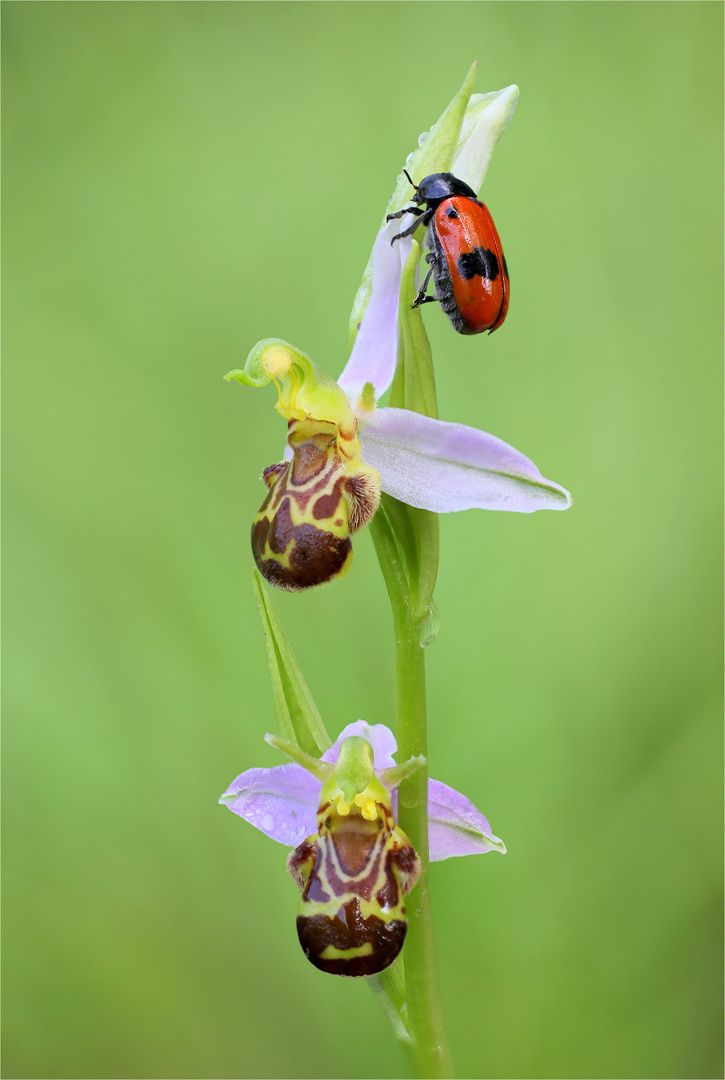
(182, 179)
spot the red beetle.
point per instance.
(466, 258)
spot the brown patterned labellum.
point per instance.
(353, 875)
(301, 533)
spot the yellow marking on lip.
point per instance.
(329, 908)
(331, 953)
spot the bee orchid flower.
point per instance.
(351, 861)
(342, 448)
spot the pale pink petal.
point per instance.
(446, 467)
(455, 826)
(375, 352)
(281, 802)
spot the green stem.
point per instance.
(424, 1019)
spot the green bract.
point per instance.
(297, 714)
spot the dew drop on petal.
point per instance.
(267, 822)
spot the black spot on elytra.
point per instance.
(478, 263)
(451, 213)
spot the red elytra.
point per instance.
(466, 258)
(470, 273)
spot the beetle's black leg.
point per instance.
(427, 215)
(406, 210)
(407, 232)
(421, 298)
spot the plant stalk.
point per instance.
(428, 1049)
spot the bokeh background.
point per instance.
(182, 179)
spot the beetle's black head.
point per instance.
(435, 188)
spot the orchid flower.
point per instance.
(351, 861)
(342, 448)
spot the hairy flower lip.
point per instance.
(282, 801)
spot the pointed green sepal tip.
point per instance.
(397, 773)
(319, 769)
(437, 148)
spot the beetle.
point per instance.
(465, 259)
(353, 875)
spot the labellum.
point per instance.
(354, 875)
(301, 533)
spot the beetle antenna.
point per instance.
(411, 181)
